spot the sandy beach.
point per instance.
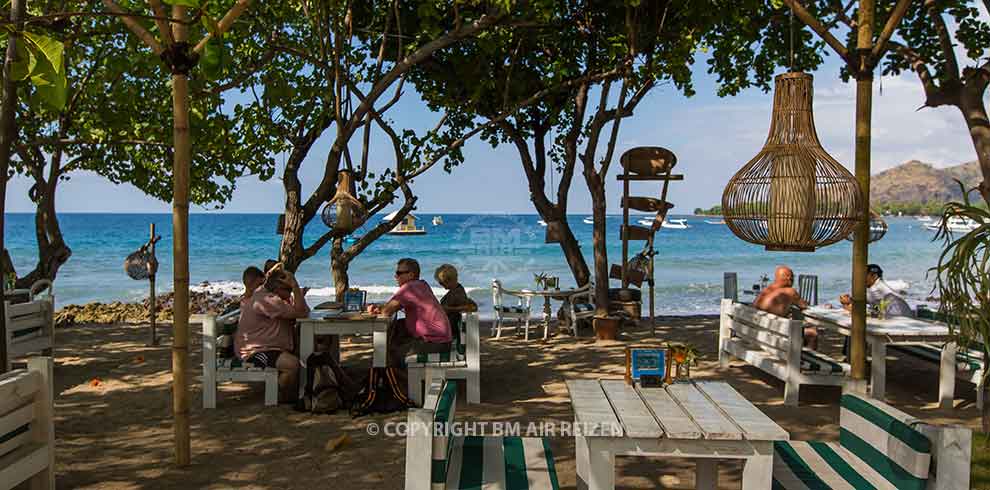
(113, 412)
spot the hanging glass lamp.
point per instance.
(792, 196)
(344, 212)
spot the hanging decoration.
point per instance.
(344, 212)
(792, 196)
(878, 228)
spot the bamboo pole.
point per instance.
(180, 247)
(152, 300)
(8, 133)
(864, 108)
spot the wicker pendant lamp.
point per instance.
(878, 228)
(344, 212)
(792, 196)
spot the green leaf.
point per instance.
(213, 59)
(211, 25)
(25, 63)
(50, 48)
(184, 3)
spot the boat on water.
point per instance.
(924, 219)
(437, 221)
(406, 227)
(542, 223)
(675, 224)
(960, 224)
(645, 222)
(589, 220)
(715, 221)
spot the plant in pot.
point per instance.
(607, 326)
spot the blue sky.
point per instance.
(712, 137)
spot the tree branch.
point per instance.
(384, 226)
(134, 26)
(163, 28)
(888, 30)
(225, 23)
(804, 16)
(952, 65)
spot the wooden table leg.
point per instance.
(758, 469)
(878, 378)
(601, 465)
(380, 341)
(947, 375)
(306, 339)
(581, 461)
(706, 474)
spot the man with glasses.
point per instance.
(425, 329)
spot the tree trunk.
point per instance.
(975, 113)
(8, 132)
(572, 253)
(338, 269)
(597, 188)
(180, 247)
(52, 250)
(291, 250)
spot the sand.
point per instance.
(113, 412)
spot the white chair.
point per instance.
(27, 434)
(462, 362)
(31, 325)
(581, 304)
(519, 312)
(217, 369)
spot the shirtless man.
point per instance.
(778, 298)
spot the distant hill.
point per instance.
(919, 182)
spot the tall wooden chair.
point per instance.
(808, 288)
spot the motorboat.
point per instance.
(959, 224)
(589, 220)
(542, 223)
(715, 221)
(645, 222)
(437, 221)
(924, 219)
(675, 224)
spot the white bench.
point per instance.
(30, 328)
(462, 362)
(879, 447)
(27, 435)
(218, 368)
(775, 345)
(969, 364)
(438, 458)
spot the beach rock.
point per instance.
(120, 312)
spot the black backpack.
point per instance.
(328, 387)
(381, 393)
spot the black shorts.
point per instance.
(265, 359)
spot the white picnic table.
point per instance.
(702, 420)
(891, 331)
(336, 322)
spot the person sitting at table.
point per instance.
(253, 278)
(877, 292)
(780, 297)
(456, 299)
(426, 328)
(265, 331)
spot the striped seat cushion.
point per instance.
(230, 363)
(806, 465)
(583, 307)
(19, 433)
(510, 463)
(511, 309)
(966, 359)
(452, 359)
(25, 331)
(818, 363)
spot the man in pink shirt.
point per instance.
(425, 330)
(265, 331)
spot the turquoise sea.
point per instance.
(689, 265)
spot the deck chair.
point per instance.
(808, 288)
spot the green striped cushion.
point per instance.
(14, 433)
(806, 465)
(452, 358)
(443, 415)
(583, 307)
(511, 309)
(966, 360)
(883, 437)
(24, 331)
(229, 363)
(818, 363)
(510, 463)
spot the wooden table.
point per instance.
(894, 330)
(703, 420)
(548, 294)
(335, 322)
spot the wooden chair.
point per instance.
(519, 312)
(218, 368)
(27, 434)
(30, 327)
(730, 286)
(437, 459)
(581, 304)
(462, 362)
(808, 288)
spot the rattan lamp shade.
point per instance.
(344, 212)
(792, 196)
(878, 228)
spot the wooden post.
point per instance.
(864, 103)
(8, 133)
(152, 300)
(180, 245)
(625, 224)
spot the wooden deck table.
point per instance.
(892, 331)
(701, 420)
(336, 323)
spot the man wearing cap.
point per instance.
(877, 291)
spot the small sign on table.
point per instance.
(354, 300)
(646, 365)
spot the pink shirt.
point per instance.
(424, 317)
(265, 324)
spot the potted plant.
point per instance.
(683, 356)
(607, 327)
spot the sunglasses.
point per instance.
(399, 273)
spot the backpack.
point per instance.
(381, 393)
(327, 386)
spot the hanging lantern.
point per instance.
(343, 212)
(878, 228)
(792, 196)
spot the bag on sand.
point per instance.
(327, 386)
(381, 393)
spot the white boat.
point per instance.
(437, 221)
(675, 224)
(405, 227)
(960, 224)
(645, 222)
(924, 219)
(715, 221)
(542, 223)
(589, 220)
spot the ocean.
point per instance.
(511, 248)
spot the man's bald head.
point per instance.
(783, 276)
